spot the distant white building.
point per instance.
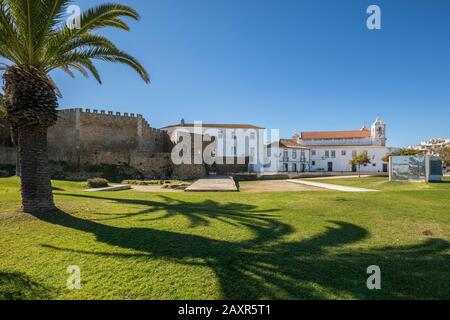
(331, 151)
(431, 146)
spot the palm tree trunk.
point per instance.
(36, 186)
(15, 140)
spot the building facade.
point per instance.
(229, 141)
(331, 151)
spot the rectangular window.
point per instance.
(327, 154)
(333, 154)
(343, 153)
(313, 163)
(294, 154)
(220, 135)
(252, 136)
(313, 152)
(252, 152)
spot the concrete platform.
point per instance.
(217, 184)
(331, 186)
(109, 189)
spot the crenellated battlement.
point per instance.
(100, 112)
(94, 130)
(109, 114)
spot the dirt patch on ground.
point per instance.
(274, 186)
(155, 188)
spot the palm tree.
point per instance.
(35, 40)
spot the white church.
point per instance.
(330, 151)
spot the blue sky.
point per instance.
(307, 65)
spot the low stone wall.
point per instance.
(230, 166)
(189, 171)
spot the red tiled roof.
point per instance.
(336, 135)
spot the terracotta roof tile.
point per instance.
(336, 135)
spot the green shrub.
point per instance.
(97, 183)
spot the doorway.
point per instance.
(330, 166)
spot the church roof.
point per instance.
(365, 133)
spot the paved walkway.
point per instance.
(331, 186)
(339, 177)
(217, 184)
(112, 188)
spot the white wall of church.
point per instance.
(338, 159)
(338, 142)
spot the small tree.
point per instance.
(444, 153)
(359, 160)
(402, 152)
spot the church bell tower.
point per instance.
(379, 133)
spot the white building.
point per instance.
(287, 156)
(331, 151)
(431, 146)
(231, 140)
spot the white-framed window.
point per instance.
(313, 152)
(327, 154)
(343, 153)
(294, 154)
(333, 154)
(252, 135)
(220, 135)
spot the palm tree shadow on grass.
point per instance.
(268, 267)
(19, 286)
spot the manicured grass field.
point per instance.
(285, 245)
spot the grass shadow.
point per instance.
(19, 286)
(267, 266)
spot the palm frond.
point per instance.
(33, 35)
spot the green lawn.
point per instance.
(383, 184)
(286, 245)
